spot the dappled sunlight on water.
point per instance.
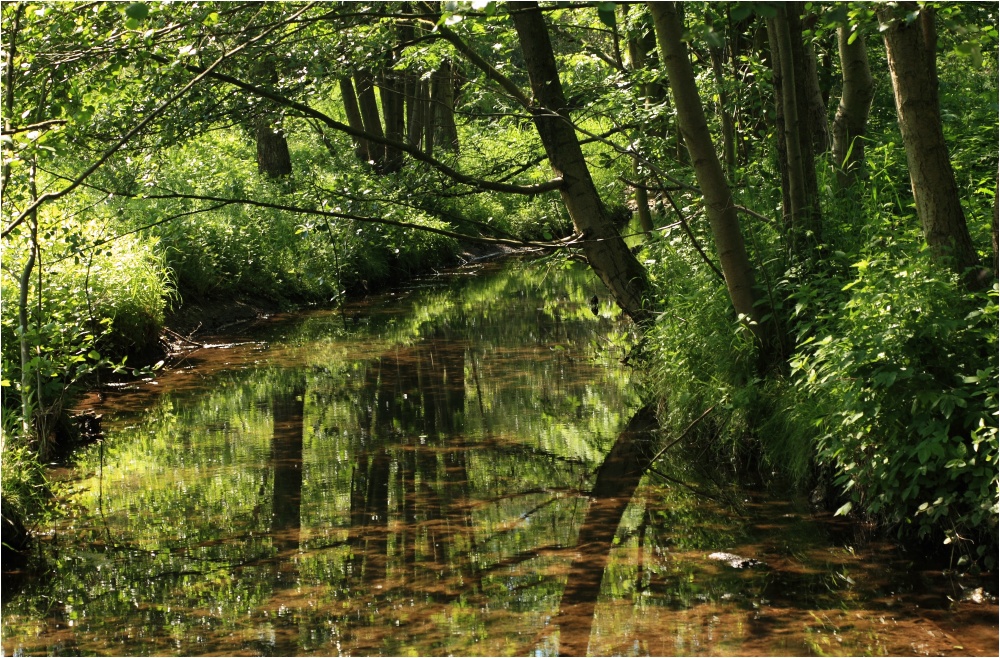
(459, 469)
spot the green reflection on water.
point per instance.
(425, 474)
(380, 483)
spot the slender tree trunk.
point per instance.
(816, 119)
(911, 51)
(996, 230)
(370, 117)
(353, 112)
(604, 248)
(851, 121)
(719, 203)
(430, 116)
(443, 98)
(8, 92)
(418, 119)
(394, 113)
(638, 60)
(722, 108)
(800, 213)
(22, 316)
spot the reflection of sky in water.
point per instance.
(406, 478)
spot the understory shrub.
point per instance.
(699, 356)
(896, 388)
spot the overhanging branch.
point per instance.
(414, 152)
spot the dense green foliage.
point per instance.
(143, 169)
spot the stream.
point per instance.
(460, 467)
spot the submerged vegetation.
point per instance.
(810, 296)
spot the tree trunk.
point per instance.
(273, 157)
(722, 107)
(604, 248)
(637, 57)
(430, 115)
(353, 112)
(391, 91)
(788, 55)
(370, 117)
(719, 204)
(911, 51)
(851, 121)
(816, 119)
(443, 98)
(418, 114)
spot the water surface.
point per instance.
(460, 468)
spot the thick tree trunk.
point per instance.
(851, 121)
(604, 248)
(719, 203)
(911, 51)
(353, 112)
(370, 117)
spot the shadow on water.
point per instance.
(460, 470)
(616, 482)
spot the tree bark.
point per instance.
(722, 108)
(719, 204)
(370, 117)
(273, 157)
(911, 51)
(393, 110)
(418, 114)
(851, 121)
(603, 247)
(815, 106)
(443, 98)
(353, 113)
(638, 57)
(788, 58)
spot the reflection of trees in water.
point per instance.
(617, 479)
(287, 408)
(410, 409)
(420, 392)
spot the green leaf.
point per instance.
(94, 355)
(765, 10)
(844, 509)
(137, 11)
(714, 39)
(740, 11)
(606, 12)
